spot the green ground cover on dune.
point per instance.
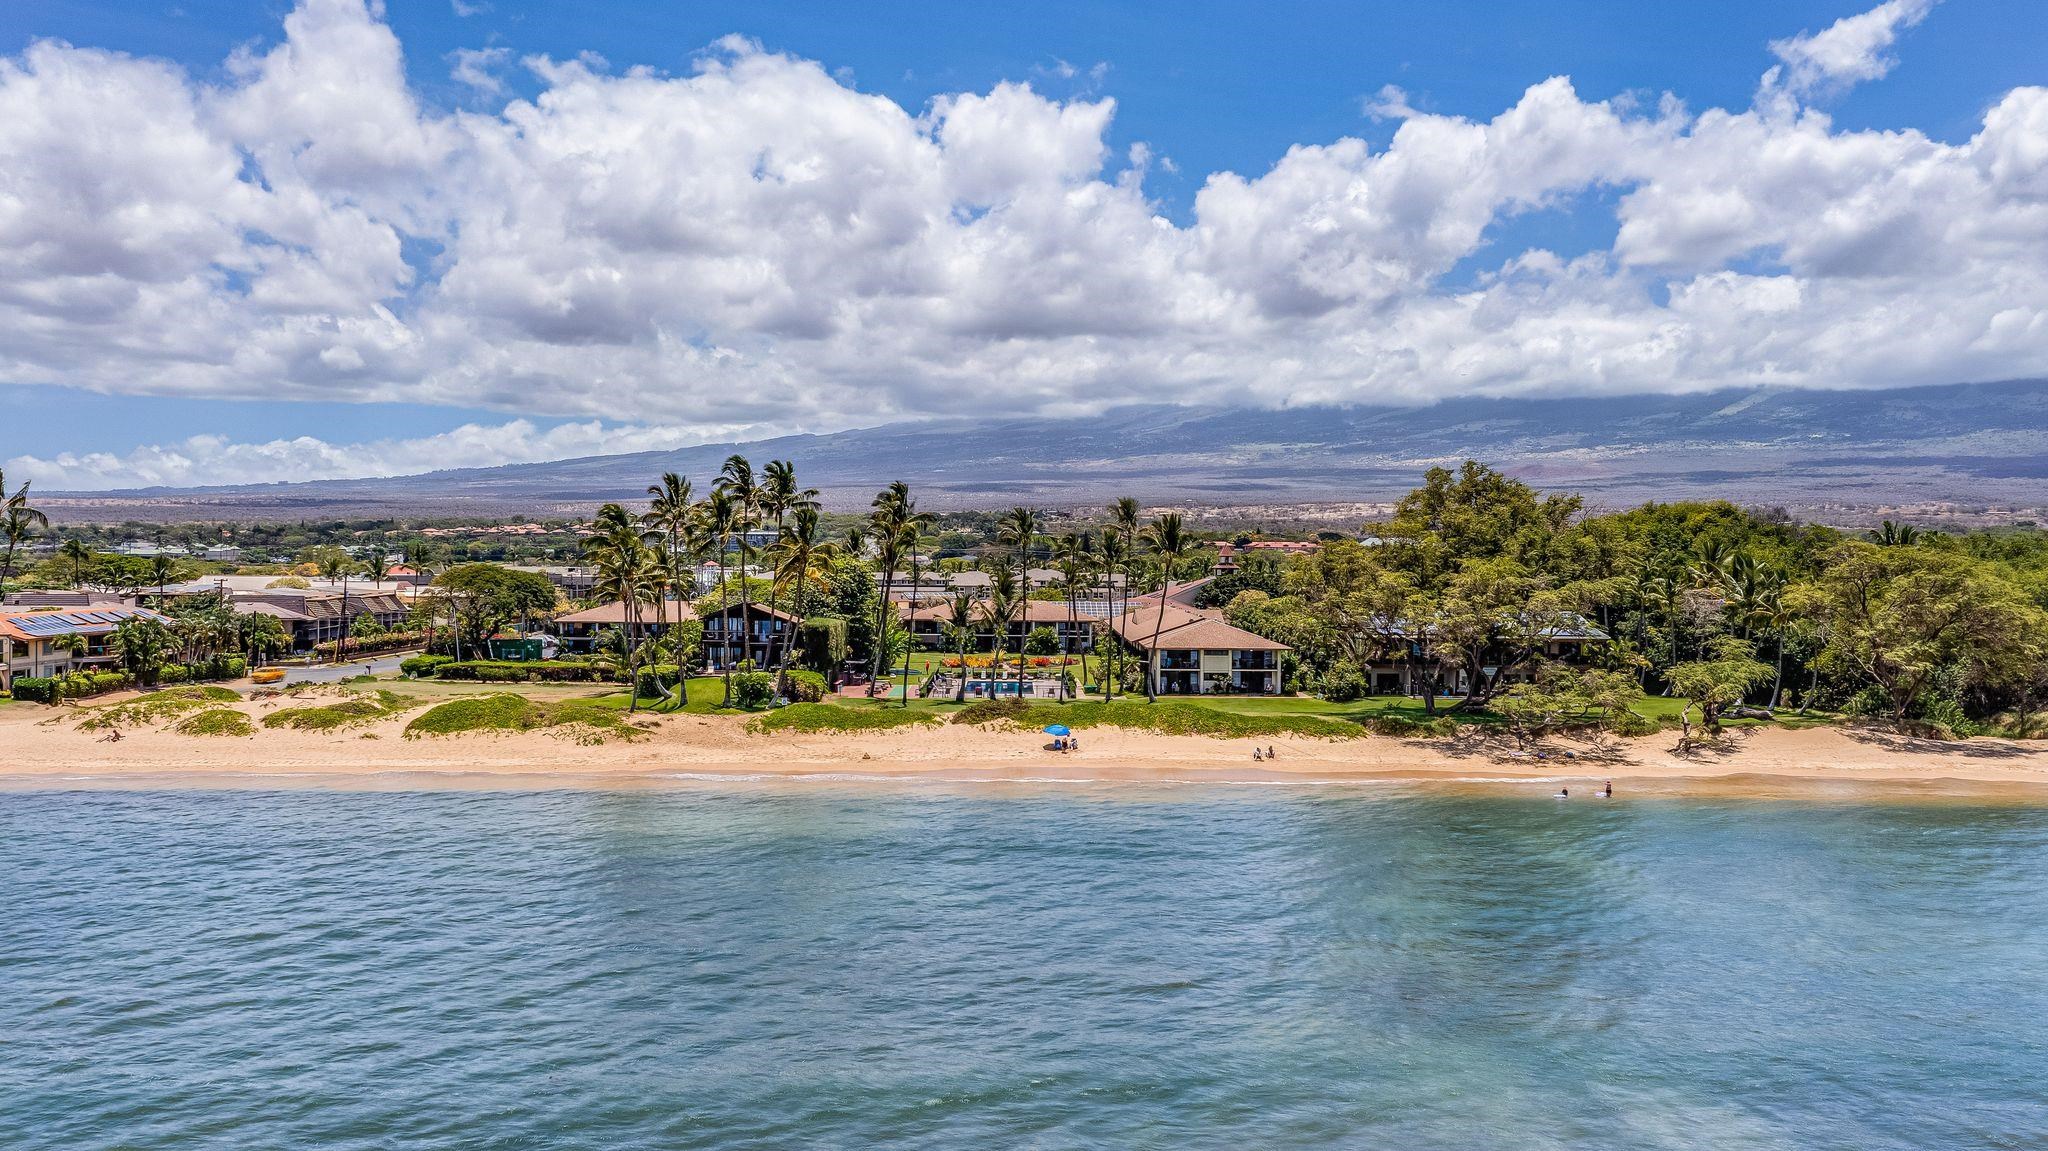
(219, 721)
(354, 711)
(584, 720)
(155, 707)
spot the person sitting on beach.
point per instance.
(1270, 754)
(1256, 757)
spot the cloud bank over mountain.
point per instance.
(757, 244)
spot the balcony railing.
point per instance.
(1180, 661)
(1255, 661)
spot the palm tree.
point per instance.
(669, 513)
(799, 558)
(1123, 528)
(737, 478)
(1003, 603)
(780, 497)
(717, 517)
(629, 571)
(1076, 554)
(1114, 552)
(899, 527)
(890, 541)
(1019, 528)
(1893, 535)
(960, 629)
(161, 567)
(1167, 538)
(78, 555)
(20, 521)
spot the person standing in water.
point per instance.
(1607, 792)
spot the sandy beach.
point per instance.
(45, 748)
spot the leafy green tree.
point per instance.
(484, 598)
(1558, 697)
(1716, 684)
(1475, 513)
(1897, 615)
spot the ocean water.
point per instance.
(813, 966)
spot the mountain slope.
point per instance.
(1972, 444)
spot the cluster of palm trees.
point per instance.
(1749, 591)
(649, 558)
(1083, 558)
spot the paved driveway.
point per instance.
(330, 673)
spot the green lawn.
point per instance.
(1663, 710)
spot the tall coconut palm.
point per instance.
(716, 519)
(1019, 529)
(899, 528)
(78, 556)
(739, 482)
(960, 612)
(1123, 527)
(780, 498)
(19, 521)
(1114, 555)
(799, 558)
(1075, 553)
(891, 540)
(1168, 539)
(668, 516)
(1005, 600)
(161, 568)
(628, 571)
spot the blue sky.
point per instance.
(1208, 88)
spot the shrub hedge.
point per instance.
(515, 671)
(423, 666)
(806, 686)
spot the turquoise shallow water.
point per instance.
(1181, 967)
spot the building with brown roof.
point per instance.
(746, 631)
(1194, 653)
(578, 630)
(927, 626)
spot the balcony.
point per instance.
(1254, 661)
(1180, 661)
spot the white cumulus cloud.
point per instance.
(216, 460)
(759, 243)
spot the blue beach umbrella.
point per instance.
(1057, 729)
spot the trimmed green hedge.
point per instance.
(515, 671)
(806, 686)
(35, 689)
(423, 666)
